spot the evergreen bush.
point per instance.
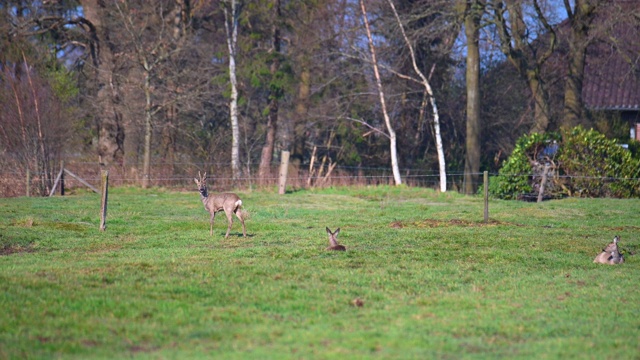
(585, 164)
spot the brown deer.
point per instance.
(333, 240)
(229, 202)
(610, 254)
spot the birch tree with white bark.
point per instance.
(429, 91)
(391, 134)
(231, 14)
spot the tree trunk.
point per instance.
(515, 46)
(43, 160)
(573, 107)
(580, 19)
(231, 27)
(541, 105)
(169, 138)
(266, 156)
(301, 110)
(439, 147)
(391, 132)
(148, 129)
(472, 154)
(428, 92)
(264, 171)
(108, 117)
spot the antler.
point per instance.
(202, 178)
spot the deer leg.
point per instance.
(213, 215)
(238, 213)
(230, 221)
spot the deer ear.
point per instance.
(337, 231)
(328, 231)
(196, 180)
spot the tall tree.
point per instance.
(26, 143)
(311, 24)
(472, 15)
(391, 134)
(429, 93)
(580, 18)
(231, 10)
(107, 92)
(34, 122)
(516, 43)
(154, 34)
(275, 92)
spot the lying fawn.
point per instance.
(333, 240)
(610, 254)
(229, 202)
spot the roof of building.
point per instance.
(612, 71)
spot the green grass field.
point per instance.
(435, 281)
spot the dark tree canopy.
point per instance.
(143, 88)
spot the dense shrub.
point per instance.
(516, 174)
(586, 163)
(634, 147)
(595, 166)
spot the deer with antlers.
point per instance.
(213, 203)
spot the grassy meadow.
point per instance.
(434, 280)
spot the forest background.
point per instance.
(156, 91)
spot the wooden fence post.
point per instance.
(543, 182)
(486, 196)
(103, 208)
(61, 177)
(55, 183)
(284, 168)
(28, 182)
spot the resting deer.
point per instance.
(229, 202)
(610, 254)
(333, 240)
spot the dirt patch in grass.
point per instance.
(14, 244)
(624, 228)
(432, 223)
(6, 250)
(143, 348)
(103, 248)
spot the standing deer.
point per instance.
(610, 254)
(229, 202)
(333, 240)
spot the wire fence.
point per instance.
(179, 176)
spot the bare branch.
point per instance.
(373, 128)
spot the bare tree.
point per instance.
(107, 89)
(34, 130)
(527, 58)
(316, 28)
(429, 92)
(150, 50)
(231, 15)
(35, 94)
(391, 132)
(580, 18)
(274, 98)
